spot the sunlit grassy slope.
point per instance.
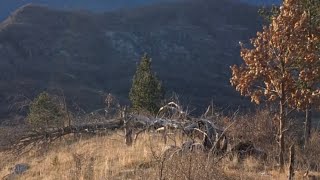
(107, 157)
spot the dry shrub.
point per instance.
(232, 163)
(10, 135)
(192, 166)
(253, 165)
(259, 127)
(309, 158)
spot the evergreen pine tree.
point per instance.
(45, 113)
(146, 92)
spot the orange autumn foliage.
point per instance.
(284, 55)
(282, 65)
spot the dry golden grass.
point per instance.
(104, 157)
(107, 157)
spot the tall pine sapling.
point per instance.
(146, 92)
(46, 113)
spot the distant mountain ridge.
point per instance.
(192, 45)
(8, 6)
(262, 2)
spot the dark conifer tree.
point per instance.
(146, 92)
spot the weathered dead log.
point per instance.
(50, 135)
(213, 138)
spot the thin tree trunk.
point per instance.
(307, 125)
(127, 130)
(282, 118)
(128, 136)
(291, 166)
(66, 109)
(281, 135)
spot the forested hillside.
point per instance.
(192, 45)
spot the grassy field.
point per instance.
(107, 157)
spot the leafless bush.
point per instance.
(259, 128)
(192, 166)
(76, 171)
(83, 167)
(9, 135)
(309, 158)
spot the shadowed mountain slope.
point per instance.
(192, 45)
(7, 6)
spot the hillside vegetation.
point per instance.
(78, 58)
(87, 54)
(106, 156)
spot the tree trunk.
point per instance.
(128, 136)
(307, 125)
(66, 109)
(281, 135)
(291, 166)
(127, 129)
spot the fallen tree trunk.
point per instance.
(34, 137)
